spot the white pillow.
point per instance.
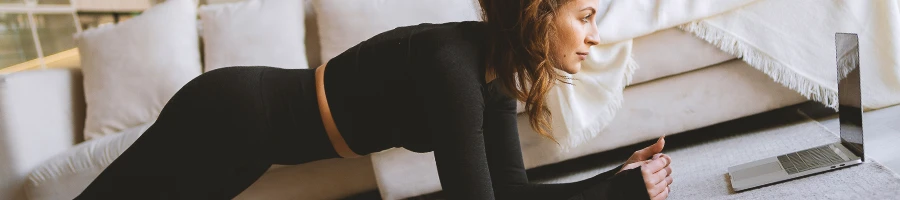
(345, 23)
(254, 33)
(132, 69)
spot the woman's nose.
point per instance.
(592, 36)
(591, 40)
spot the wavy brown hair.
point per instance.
(520, 33)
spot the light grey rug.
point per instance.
(700, 170)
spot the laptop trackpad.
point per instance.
(754, 171)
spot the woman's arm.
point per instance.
(477, 147)
(451, 92)
(510, 181)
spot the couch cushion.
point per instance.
(345, 23)
(41, 115)
(254, 33)
(670, 52)
(67, 174)
(324, 179)
(132, 69)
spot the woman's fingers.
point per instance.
(650, 180)
(654, 166)
(661, 175)
(669, 159)
(659, 187)
(662, 195)
(657, 176)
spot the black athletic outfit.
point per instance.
(418, 87)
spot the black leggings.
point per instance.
(218, 135)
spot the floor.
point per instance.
(882, 141)
(882, 135)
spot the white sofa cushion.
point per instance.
(40, 113)
(132, 69)
(345, 23)
(254, 33)
(65, 175)
(670, 52)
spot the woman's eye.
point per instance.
(586, 19)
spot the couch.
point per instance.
(683, 83)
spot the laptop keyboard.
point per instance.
(809, 159)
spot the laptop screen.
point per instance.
(849, 91)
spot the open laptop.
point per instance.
(847, 152)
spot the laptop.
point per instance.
(847, 152)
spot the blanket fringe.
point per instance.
(765, 63)
(590, 132)
(630, 67)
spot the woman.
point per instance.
(449, 88)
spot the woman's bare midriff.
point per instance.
(337, 141)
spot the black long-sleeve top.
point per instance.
(423, 88)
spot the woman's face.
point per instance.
(576, 33)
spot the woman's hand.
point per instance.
(645, 154)
(654, 168)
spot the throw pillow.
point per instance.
(254, 33)
(131, 69)
(344, 23)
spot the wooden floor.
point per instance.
(882, 140)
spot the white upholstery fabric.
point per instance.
(41, 115)
(254, 33)
(670, 52)
(345, 23)
(664, 106)
(65, 175)
(311, 37)
(324, 179)
(120, 61)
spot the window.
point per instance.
(31, 30)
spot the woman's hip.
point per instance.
(272, 107)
